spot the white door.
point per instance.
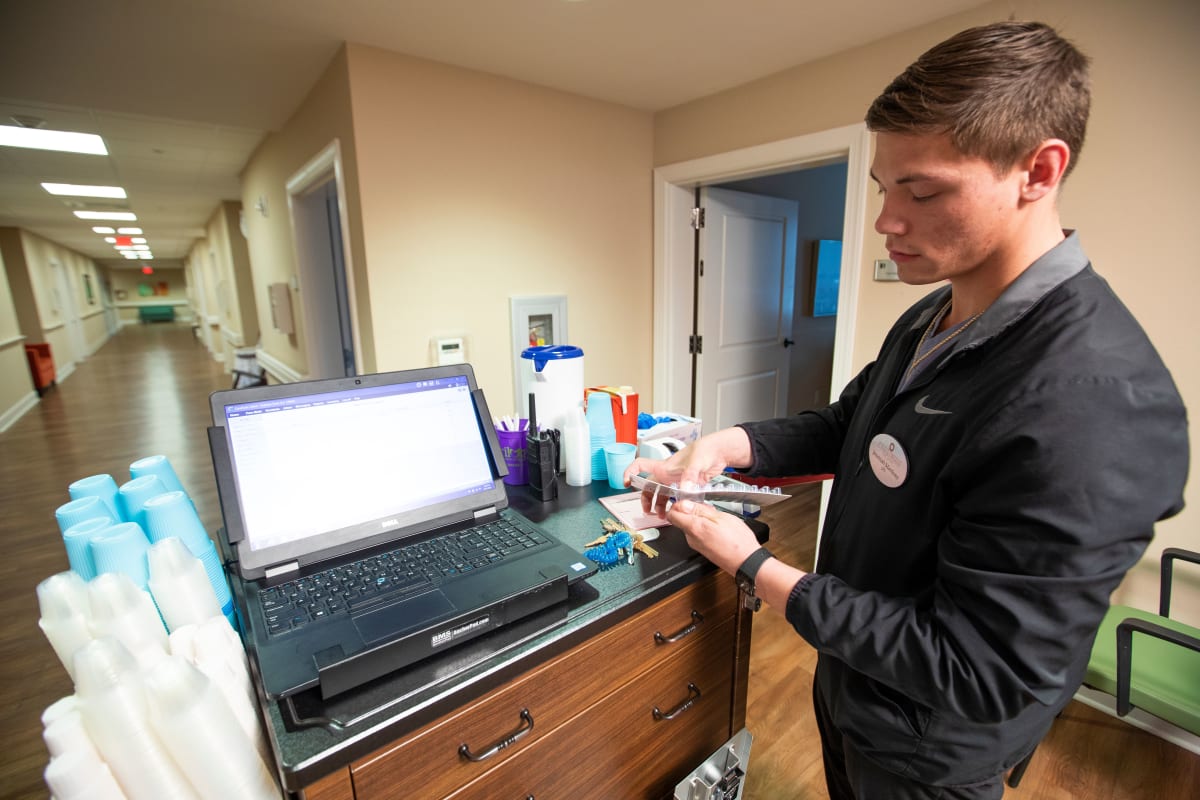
(747, 252)
(65, 300)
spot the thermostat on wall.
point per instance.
(451, 350)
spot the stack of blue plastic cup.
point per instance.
(85, 508)
(172, 514)
(122, 548)
(102, 486)
(601, 429)
(160, 466)
(132, 496)
(78, 541)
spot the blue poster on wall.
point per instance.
(827, 269)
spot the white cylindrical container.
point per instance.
(554, 375)
(577, 448)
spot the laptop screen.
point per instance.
(344, 463)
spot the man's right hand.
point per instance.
(694, 465)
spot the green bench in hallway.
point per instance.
(156, 313)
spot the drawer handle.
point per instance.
(693, 696)
(682, 632)
(508, 741)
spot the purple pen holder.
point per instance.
(512, 446)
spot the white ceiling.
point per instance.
(183, 91)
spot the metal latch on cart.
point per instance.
(722, 774)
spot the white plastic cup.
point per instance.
(80, 775)
(200, 731)
(123, 611)
(577, 448)
(113, 703)
(60, 707)
(180, 585)
(65, 615)
(67, 734)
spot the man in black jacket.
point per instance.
(999, 466)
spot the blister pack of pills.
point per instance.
(719, 489)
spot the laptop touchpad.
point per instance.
(401, 617)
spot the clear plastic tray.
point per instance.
(719, 489)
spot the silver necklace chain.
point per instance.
(919, 357)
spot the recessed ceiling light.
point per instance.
(103, 229)
(110, 239)
(78, 190)
(130, 231)
(127, 216)
(63, 141)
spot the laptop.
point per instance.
(369, 523)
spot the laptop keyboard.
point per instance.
(389, 576)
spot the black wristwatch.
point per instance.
(746, 574)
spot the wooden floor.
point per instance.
(146, 392)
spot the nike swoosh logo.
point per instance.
(921, 408)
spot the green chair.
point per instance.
(1164, 677)
(1161, 674)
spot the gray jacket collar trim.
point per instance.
(1058, 265)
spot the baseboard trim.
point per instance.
(1138, 718)
(276, 369)
(18, 409)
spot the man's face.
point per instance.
(945, 215)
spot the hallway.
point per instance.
(145, 392)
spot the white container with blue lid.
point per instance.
(554, 374)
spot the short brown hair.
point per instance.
(998, 90)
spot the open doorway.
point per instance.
(820, 195)
(674, 245)
(316, 201)
(674, 248)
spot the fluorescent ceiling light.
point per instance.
(145, 256)
(140, 246)
(103, 229)
(80, 190)
(138, 240)
(131, 256)
(130, 231)
(110, 239)
(123, 246)
(41, 139)
(128, 216)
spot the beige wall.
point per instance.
(322, 118)
(16, 384)
(477, 188)
(40, 257)
(1130, 197)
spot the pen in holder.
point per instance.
(541, 456)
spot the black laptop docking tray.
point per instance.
(339, 673)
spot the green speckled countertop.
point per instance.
(312, 738)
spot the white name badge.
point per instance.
(888, 460)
